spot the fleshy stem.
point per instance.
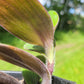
(46, 79)
(51, 57)
(50, 53)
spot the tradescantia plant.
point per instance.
(29, 21)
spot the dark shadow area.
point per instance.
(2, 30)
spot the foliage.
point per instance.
(31, 77)
(69, 55)
(27, 23)
(55, 18)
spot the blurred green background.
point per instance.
(69, 39)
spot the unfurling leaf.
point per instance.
(24, 59)
(35, 48)
(27, 19)
(55, 18)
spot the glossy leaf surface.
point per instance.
(26, 19)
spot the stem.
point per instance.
(50, 66)
(50, 63)
(51, 57)
(47, 79)
(50, 53)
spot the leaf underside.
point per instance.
(7, 79)
(26, 19)
(23, 59)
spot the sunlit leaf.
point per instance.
(55, 18)
(26, 19)
(24, 59)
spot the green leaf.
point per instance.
(26, 19)
(55, 18)
(30, 77)
(42, 58)
(35, 48)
